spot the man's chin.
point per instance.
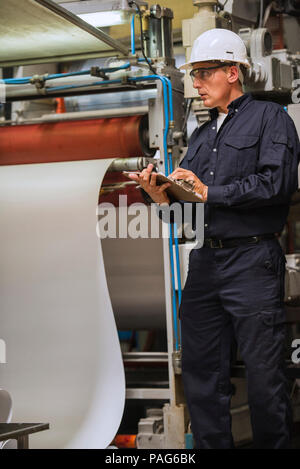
(206, 100)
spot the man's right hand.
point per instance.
(147, 180)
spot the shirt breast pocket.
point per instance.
(193, 158)
(244, 150)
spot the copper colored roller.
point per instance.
(121, 137)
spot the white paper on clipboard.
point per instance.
(178, 189)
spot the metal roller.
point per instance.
(131, 164)
(75, 140)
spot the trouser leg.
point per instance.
(206, 343)
(253, 293)
(260, 341)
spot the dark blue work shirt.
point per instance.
(250, 167)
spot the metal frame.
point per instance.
(94, 6)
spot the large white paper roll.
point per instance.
(64, 363)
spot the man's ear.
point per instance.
(233, 74)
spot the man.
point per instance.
(244, 164)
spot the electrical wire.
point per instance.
(267, 13)
(131, 3)
(187, 114)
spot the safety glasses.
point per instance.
(204, 74)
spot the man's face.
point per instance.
(212, 85)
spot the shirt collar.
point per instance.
(238, 103)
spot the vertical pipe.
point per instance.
(132, 36)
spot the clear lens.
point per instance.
(204, 74)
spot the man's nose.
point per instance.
(197, 83)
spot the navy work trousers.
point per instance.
(235, 295)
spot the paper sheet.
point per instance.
(64, 363)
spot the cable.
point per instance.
(267, 13)
(187, 114)
(131, 3)
(261, 13)
(222, 5)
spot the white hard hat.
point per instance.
(218, 44)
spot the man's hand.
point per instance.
(147, 180)
(189, 176)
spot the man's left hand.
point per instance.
(190, 177)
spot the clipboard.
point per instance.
(179, 189)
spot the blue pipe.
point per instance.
(169, 169)
(168, 156)
(166, 110)
(174, 305)
(26, 80)
(88, 72)
(68, 87)
(132, 36)
(175, 225)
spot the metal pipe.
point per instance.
(31, 93)
(131, 164)
(104, 113)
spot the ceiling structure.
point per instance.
(41, 31)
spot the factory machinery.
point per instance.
(135, 106)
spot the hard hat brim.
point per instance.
(189, 65)
(186, 66)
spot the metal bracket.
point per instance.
(176, 361)
(97, 72)
(39, 82)
(124, 80)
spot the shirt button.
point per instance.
(236, 110)
(211, 173)
(214, 149)
(206, 225)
